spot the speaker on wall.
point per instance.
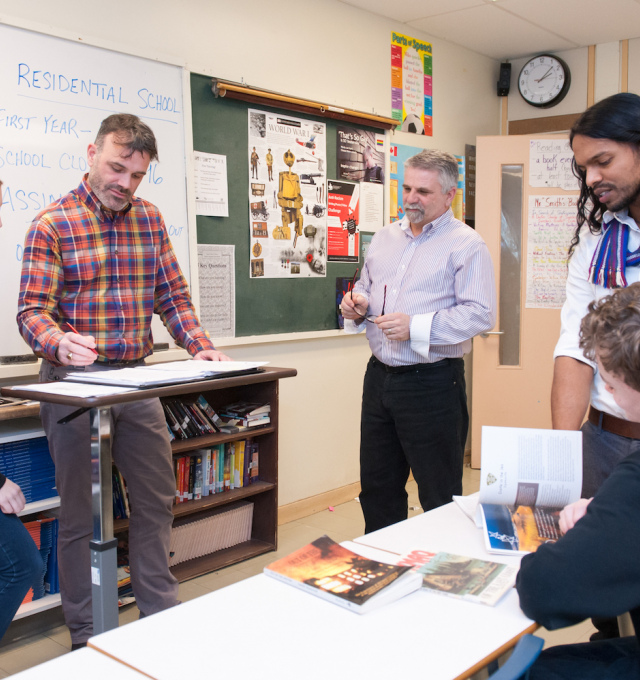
(504, 81)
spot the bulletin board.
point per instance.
(263, 306)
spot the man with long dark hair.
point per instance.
(604, 255)
(606, 146)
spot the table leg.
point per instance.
(104, 572)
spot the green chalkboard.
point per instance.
(263, 306)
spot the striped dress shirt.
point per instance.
(106, 273)
(442, 278)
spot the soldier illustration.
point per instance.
(269, 159)
(254, 164)
(290, 201)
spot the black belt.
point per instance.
(412, 367)
(609, 423)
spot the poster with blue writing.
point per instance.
(412, 84)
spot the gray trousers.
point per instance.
(142, 452)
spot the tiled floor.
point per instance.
(343, 523)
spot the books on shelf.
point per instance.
(120, 495)
(328, 570)
(188, 418)
(467, 578)
(44, 532)
(222, 528)
(28, 463)
(527, 477)
(223, 467)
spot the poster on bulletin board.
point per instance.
(398, 153)
(287, 196)
(411, 84)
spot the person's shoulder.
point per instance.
(463, 232)
(143, 206)
(58, 209)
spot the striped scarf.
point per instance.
(612, 256)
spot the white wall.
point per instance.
(607, 79)
(316, 49)
(574, 102)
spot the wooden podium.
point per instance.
(103, 545)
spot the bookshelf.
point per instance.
(19, 423)
(16, 421)
(263, 494)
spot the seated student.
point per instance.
(20, 561)
(594, 570)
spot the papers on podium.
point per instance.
(69, 389)
(155, 375)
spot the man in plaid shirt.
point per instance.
(99, 260)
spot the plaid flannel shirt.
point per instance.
(106, 273)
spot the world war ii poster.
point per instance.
(287, 196)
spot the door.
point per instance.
(513, 366)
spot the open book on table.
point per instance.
(331, 571)
(527, 477)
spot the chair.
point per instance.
(517, 665)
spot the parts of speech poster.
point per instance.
(411, 84)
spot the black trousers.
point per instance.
(413, 418)
(604, 660)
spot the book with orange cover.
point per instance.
(328, 570)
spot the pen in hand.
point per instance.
(73, 330)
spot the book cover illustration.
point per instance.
(520, 528)
(329, 570)
(468, 578)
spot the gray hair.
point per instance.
(442, 161)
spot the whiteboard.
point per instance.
(54, 93)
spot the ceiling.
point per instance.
(508, 29)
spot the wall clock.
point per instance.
(544, 81)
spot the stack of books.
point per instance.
(221, 529)
(187, 418)
(27, 463)
(44, 533)
(245, 414)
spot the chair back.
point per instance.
(518, 664)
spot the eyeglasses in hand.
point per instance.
(371, 318)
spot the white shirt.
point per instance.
(442, 278)
(580, 292)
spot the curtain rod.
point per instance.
(223, 88)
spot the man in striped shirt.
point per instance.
(426, 289)
(97, 264)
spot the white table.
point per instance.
(448, 529)
(80, 665)
(263, 628)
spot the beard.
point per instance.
(628, 195)
(103, 192)
(414, 211)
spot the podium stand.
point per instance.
(103, 545)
